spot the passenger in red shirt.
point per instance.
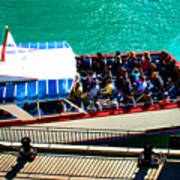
(146, 60)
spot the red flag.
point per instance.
(4, 45)
(8, 41)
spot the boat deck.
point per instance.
(143, 121)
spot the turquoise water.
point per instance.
(96, 25)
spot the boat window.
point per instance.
(30, 107)
(48, 108)
(4, 115)
(56, 107)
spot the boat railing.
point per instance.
(120, 138)
(111, 58)
(50, 109)
(44, 45)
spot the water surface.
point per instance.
(96, 25)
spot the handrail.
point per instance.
(53, 135)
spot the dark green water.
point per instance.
(96, 25)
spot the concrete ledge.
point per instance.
(91, 150)
(47, 177)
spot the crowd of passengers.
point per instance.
(124, 81)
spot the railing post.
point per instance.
(128, 139)
(168, 145)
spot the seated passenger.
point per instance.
(158, 95)
(165, 99)
(136, 73)
(152, 68)
(108, 89)
(131, 61)
(61, 107)
(94, 105)
(70, 108)
(141, 84)
(84, 81)
(146, 60)
(128, 100)
(177, 91)
(126, 87)
(83, 63)
(102, 78)
(121, 78)
(117, 64)
(85, 99)
(31, 108)
(172, 69)
(145, 98)
(75, 95)
(156, 81)
(109, 103)
(100, 65)
(120, 98)
(164, 54)
(94, 90)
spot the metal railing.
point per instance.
(44, 45)
(120, 138)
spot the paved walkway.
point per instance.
(54, 166)
(136, 121)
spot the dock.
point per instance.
(56, 166)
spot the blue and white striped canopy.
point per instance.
(40, 90)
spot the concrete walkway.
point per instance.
(54, 166)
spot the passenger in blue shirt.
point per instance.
(131, 61)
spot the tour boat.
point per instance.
(38, 75)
